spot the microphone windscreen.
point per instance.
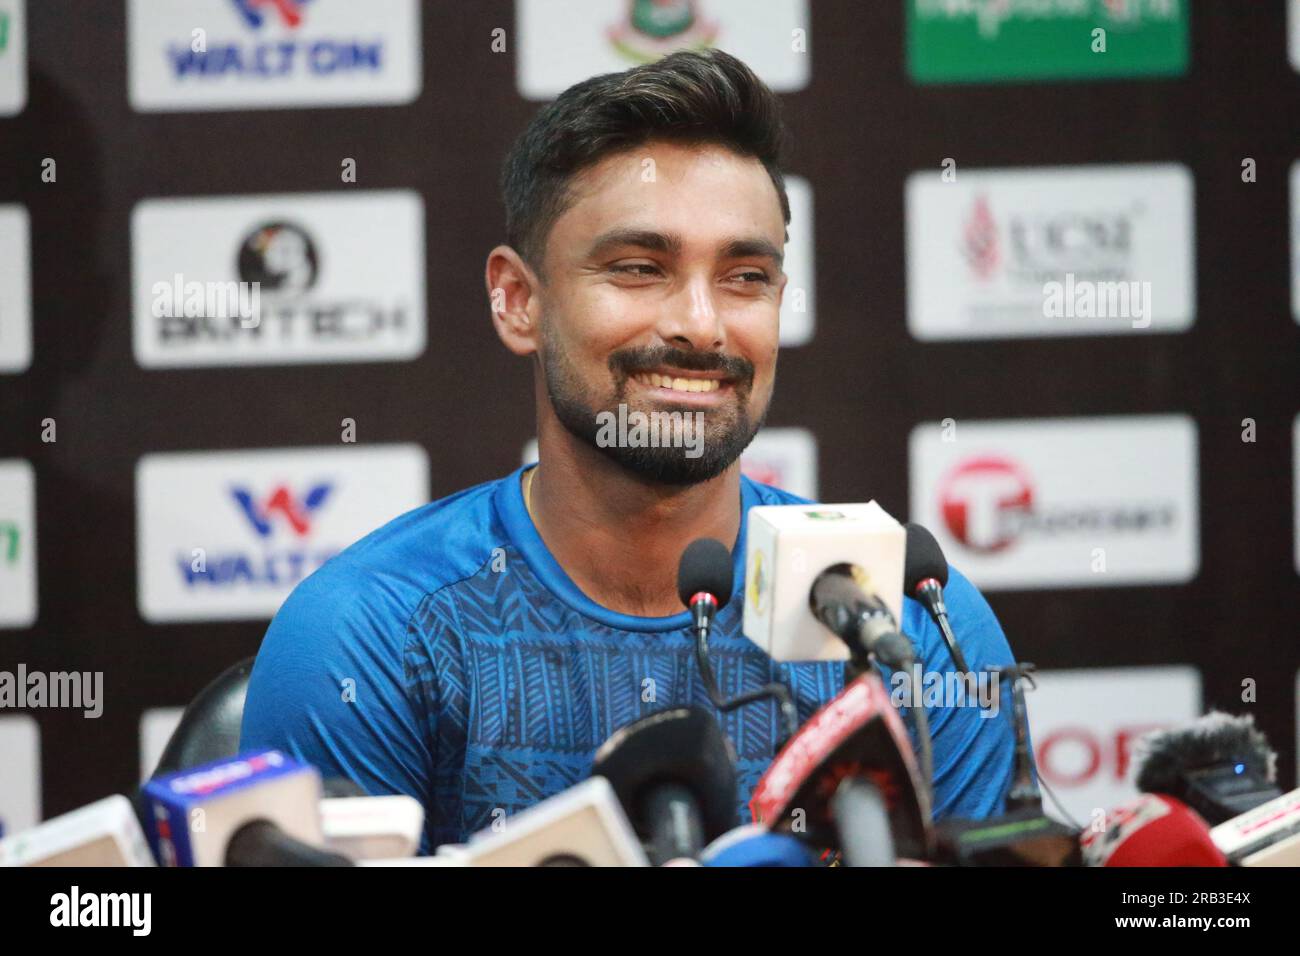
(1164, 758)
(705, 566)
(924, 559)
(684, 746)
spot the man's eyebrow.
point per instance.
(641, 238)
(672, 244)
(744, 248)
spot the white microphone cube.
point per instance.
(788, 546)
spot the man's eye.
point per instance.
(753, 277)
(636, 269)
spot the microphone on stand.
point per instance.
(704, 584)
(925, 575)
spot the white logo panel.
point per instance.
(307, 277)
(561, 42)
(15, 289)
(1082, 502)
(1084, 723)
(20, 784)
(234, 54)
(13, 57)
(1081, 250)
(227, 535)
(17, 544)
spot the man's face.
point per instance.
(662, 292)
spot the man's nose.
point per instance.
(692, 320)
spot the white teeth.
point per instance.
(678, 384)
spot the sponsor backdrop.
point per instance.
(1044, 298)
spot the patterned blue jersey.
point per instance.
(448, 656)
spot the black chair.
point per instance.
(209, 728)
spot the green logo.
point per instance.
(982, 41)
(825, 515)
(8, 542)
(4, 31)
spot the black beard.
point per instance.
(720, 446)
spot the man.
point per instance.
(475, 652)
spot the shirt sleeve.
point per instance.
(974, 742)
(330, 686)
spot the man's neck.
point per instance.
(620, 538)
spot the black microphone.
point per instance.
(261, 843)
(704, 582)
(859, 618)
(925, 575)
(674, 772)
(1219, 765)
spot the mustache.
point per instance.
(629, 361)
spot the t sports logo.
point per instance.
(1069, 502)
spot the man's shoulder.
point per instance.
(421, 551)
(772, 495)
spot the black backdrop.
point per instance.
(859, 128)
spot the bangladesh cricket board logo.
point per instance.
(654, 28)
(757, 581)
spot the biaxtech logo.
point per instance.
(303, 278)
(1067, 502)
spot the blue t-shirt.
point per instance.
(448, 656)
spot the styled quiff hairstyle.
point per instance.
(688, 97)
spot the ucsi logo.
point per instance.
(985, 501)
(253, 11)
(295, 512)
(1076, 756)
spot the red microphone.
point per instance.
(857, 735)
(1153, 830)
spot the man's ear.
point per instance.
(514, 294)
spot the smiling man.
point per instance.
(475, 652)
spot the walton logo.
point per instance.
(297, 513)
(985, 502)
(289, 10)
(277, 563)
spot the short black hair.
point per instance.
(691, 97)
